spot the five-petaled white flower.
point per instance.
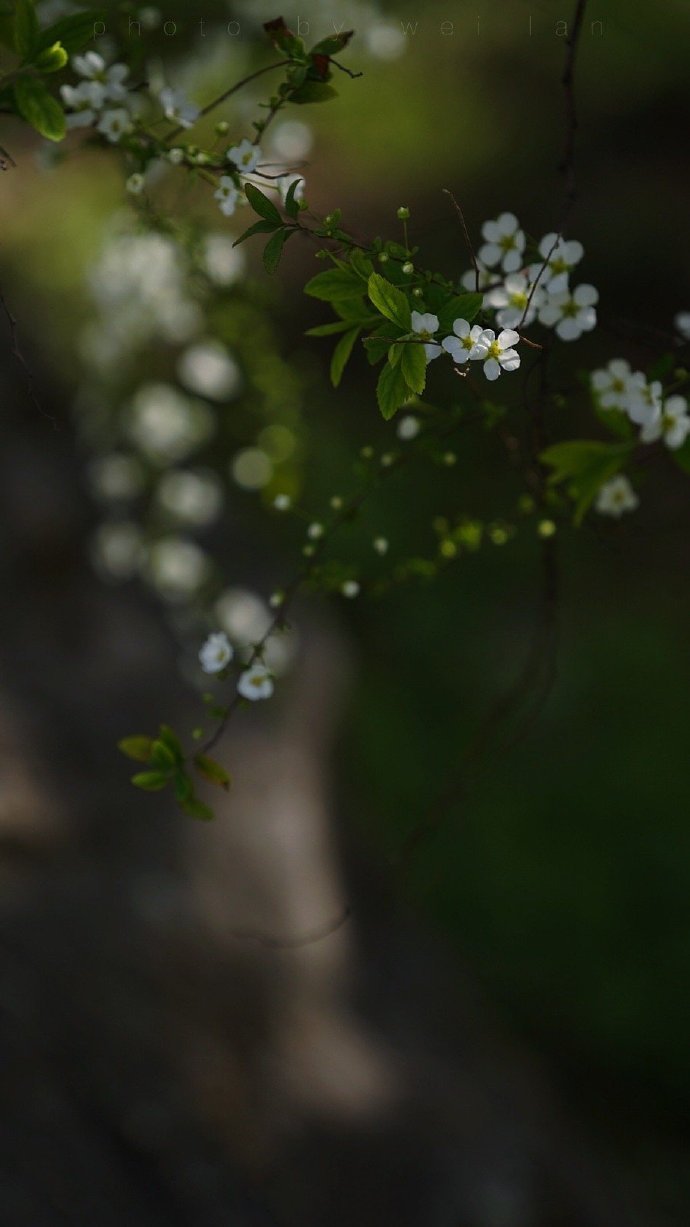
(496, 352)
(505, 243)
(84, 101)
(216, 653)
(571, 313)
(616, 497)
(227, 195)
(256, 682)
(425, 324)
(563, 255)
(112, 80)
(245, 156)
(516, 302)
(673, 424)
(177, 107)
(115, 124)
(460, 345)
(614, 384)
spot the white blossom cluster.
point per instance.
(618, 387)
(102, 99)
(469, 344)
(522, 291)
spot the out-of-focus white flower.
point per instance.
(571, 314)
(510, 300)
(223, 263)
(176, 155)
(461, 344)
(227, 195)
(135, 184)
(245, 156)
(177, 568)
(505, 243)
(177, 107)
(84, 101)
(616, 497)
(350, 589)
(644, 400)
(613, 384)
(282, 502)
(115, 124)
(209, 370)
(251, 468)
(243, 616)
(408, 427)
(381, 545)
(116, 477)
(117, 550)
(92, 66)
(384, 41)
(682, 324)
(564, 255)
(292, 140)
(165, 425)
(193, 498)
(256, 682)
(425, 324)
(315, 531)
(216, 653)
(468, 281)
(672, 425)
(496, 352)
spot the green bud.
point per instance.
(383, 257)
(403, 213)
(417, 291)
(222, 127)
(52, 59)
(408, 268)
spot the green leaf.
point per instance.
(197, 809)
(263, 227)
(184, 789)
(333, 44)
(274, 249)
(313, 91)
(329, 330)
(283, 39)
(261, 204)
(461, 307)
(26, 28)
(413, 366)
(212, 771)
(51, 59)
(585, 465)
(341, 354)
(161, 756)
(38, 107)
(137, 748)
(615, 421)
(291, 204)
(334, 284)
(73, 32)
(377, 347)
(391, 390)
(150, 781)
(361, 264)
(390, 301)
(172, 741)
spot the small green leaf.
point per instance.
(274, 249)
(184, 789)
(197, 809)
(263, 227)
(291, 203)
(329, 330)
(26, 28)
(585, 465)
(172, 741)
(38, 107)
(341, 355)
(150, 781)
(390, 301)
(261, 204)
(413, 367)
(335, 284)
(52, 58)
(212, 771)
(461, 307)
(391, 390)
(314, 91)
(137, 748)
(161, 756)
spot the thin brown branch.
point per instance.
(466, 233)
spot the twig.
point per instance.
(466, 233)
(19, 358)
(211, 106)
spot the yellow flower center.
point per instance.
(494, 350)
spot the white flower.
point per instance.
(177, 567)
(282, 502)
(209, 370)
(176, 155)
(315, 531)
(468, 281)
(408, 428)
(570, 314)
(135, 184)
(191, 498)
(510, 300)
(380, 544)
(116, 476)
(496, 352)
(616, 497)
(565, 255)
(223, 263)
(177, 108)
(165, 425)
(614, 384)
(256, 682)
(115, 124)
(91, 64)
(350, 589)
(682, 323)
(84, 101)
(505, 243)
(118, 550)
(216, 653)
(461, 345)
(644, 401)
(227, 195)
(245, 156)
(673, 424)
(426, 325)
